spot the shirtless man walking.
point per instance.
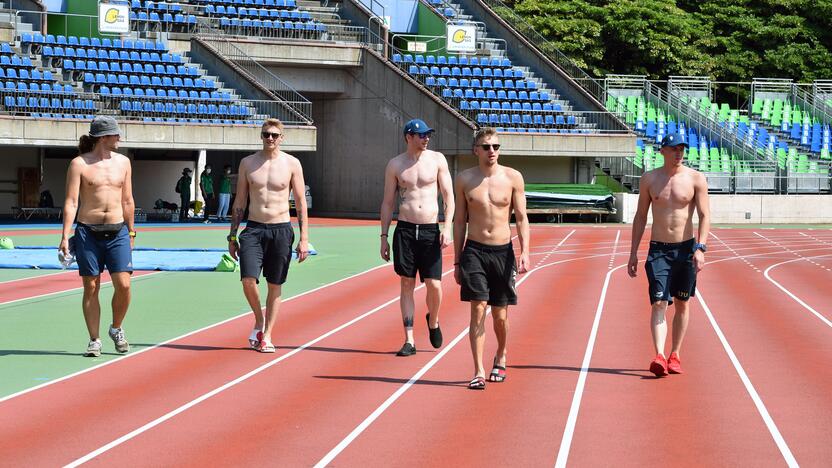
(417, 176)
(675, 256)
(99, 191)
(265, 178)
(484, 261)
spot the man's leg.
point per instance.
(90, 305)
(500, 316)
(680, 324)
(476, 335)
(253, 297)
(121, 297)
(406, 301)
(658, 326)
(434, 300)
(272, 307)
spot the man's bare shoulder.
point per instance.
(120, 158)
(396, 161)
(249, 159)
(512, 173)
(465, 176)
(437, 155)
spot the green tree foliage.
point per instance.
(728, 40)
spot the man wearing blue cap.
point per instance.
(102, 180)
(417, 176)
(675, 255)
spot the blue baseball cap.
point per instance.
(417, 126)
(674, 139)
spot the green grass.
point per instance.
(43, 338)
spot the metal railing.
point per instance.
(592, 85)
(438, 44)
(39, 20)
(191, 110)
(299, 108)
(675, 105)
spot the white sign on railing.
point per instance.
(113, 18)
(415, 46)
(462, 38)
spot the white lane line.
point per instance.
(144, 350)
(230, 384)
(755, 397)
(787, 249)
(614, 250)
(572, 419)
(793, 296)
(401, 390)
(53, 293)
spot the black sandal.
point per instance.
(477, 383)
(498, 373)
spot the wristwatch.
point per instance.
(700, 246)
(231, 238)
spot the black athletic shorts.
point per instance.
(266, 247)
(670, 271)
(416, 247)
(488, 273)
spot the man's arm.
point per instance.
(639, 223)
(239, 208)
(299, 188)
(387, 205)
(703, 208)
(460, 224)
(128, 205)
(446, 188)
(73, 186)
(518, 201)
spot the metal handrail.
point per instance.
(432, 39)
(592, 85)
(257, 72)
(110, 104)
(674, 105)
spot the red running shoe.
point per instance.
(659, 366)
(674, 365)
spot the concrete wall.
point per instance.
(535, 170)
(25, 131)
(751, 209)
(13, 158)
(361, 129)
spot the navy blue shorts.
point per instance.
(267, 248)
(670, 271)
(100, 245)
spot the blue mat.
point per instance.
(46, 258)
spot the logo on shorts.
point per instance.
(683, 294)
(658, 294)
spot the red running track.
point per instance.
(295, 412)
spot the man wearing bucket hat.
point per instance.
(99, 191)
(416, 177)
(675, 255)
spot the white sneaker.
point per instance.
(93, 348)
(117, 334)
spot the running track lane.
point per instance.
(302, 407)
(784, 349)
(58, 423)
(627, 417)
(510, 423)
(35, 287)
